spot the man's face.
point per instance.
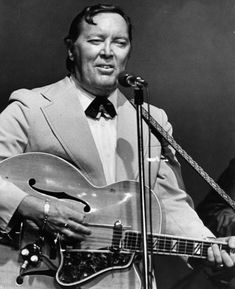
(101, 52)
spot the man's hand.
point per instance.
(220, 258)
(63, 216)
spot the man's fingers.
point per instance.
(218, 257)
(214, 254)
(231, 243)
(74, 230)
(78, 228)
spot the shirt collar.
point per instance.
(86, 98)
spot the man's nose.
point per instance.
(107, 50)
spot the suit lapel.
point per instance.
(127, 155)
(68, 122)
(127, 143)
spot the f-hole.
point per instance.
(58, 195)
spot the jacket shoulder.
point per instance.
(29, 97)
(158, 114)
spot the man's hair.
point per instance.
(87, 15)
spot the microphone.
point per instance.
(128, 80)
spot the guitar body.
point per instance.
(119, 203)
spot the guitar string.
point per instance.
(166, 244)
(168, 249)
(160, 238)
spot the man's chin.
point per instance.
(101, 86)
(107, 85)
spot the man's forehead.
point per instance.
(107, 20)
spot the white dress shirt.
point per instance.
(104, 132)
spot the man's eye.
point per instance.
(121, 43)
(95, 41)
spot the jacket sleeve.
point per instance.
(13, 140)
(180, 216)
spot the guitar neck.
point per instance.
(172, 245)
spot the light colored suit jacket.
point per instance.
(50, 119)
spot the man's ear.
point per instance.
(69, 45)
(70, 55)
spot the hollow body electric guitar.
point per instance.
(110, 256)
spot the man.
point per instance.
(219, 217)
(215, 212)
(59, 119)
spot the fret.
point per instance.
(197, 249)
(185, 247)
(206, 245)
(174, 246)
(162, 243)
(151, 242)
(169, 245)
(132, 241)
(189, 248)
(182, 247)
(138, 242)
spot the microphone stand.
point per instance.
(138, 98)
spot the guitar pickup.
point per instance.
(117, 237)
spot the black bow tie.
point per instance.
(100, 106)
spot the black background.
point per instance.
(184, 49)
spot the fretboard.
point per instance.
(171, 245)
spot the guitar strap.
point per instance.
(159, 131)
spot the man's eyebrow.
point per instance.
(121, 36)
(99, 34)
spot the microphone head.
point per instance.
(123, 79)
(127, 80)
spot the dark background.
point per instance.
(184, 49)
